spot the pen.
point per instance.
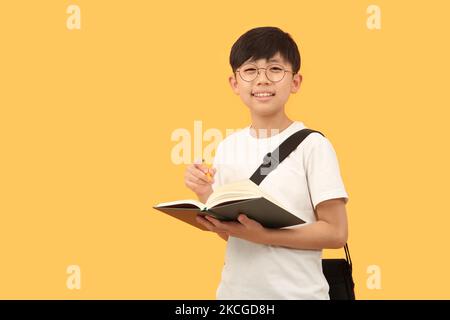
(207, 174)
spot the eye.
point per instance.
(275, 69)
(249, 70)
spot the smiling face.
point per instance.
(263, 96)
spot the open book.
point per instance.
(230, 200)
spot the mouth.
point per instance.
(263, 96)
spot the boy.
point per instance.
(264, 263)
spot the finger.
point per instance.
(202, 167)
(217, 223)
(194, 184)
(197, 176)
(228, 225)
(205, 223)
(242, 217)
(212, 172)
(209, 175)
(206, 170)
(209, 172)
(246, 221)
(209, 225)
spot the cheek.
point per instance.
(283, 93)
(245, 94)
(247, 99)
(283, 96)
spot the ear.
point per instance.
(296, 82)
(234, 84)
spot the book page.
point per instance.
(182, 203)
(239, 190)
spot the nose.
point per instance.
(262, 77)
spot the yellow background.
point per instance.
(86, 118)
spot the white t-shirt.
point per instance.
(256, 271)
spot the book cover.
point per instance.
(228, 201)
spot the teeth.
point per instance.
(263, 94)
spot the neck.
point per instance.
(269, 123)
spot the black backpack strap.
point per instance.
(274, 158)
(347, 257)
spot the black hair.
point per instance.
(264, 43)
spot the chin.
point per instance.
(264, 110)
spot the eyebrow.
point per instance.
(271, 60)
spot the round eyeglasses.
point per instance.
(274, 72)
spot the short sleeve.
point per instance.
(322, 170)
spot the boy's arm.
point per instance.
(330, 231)
(204, 197)
(223, 235)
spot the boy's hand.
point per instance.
(211, 227)
(196, 179)
(247, 229)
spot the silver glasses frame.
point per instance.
(265, 71)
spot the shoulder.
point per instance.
(316, 146)
(313, 140)
(316, 140)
